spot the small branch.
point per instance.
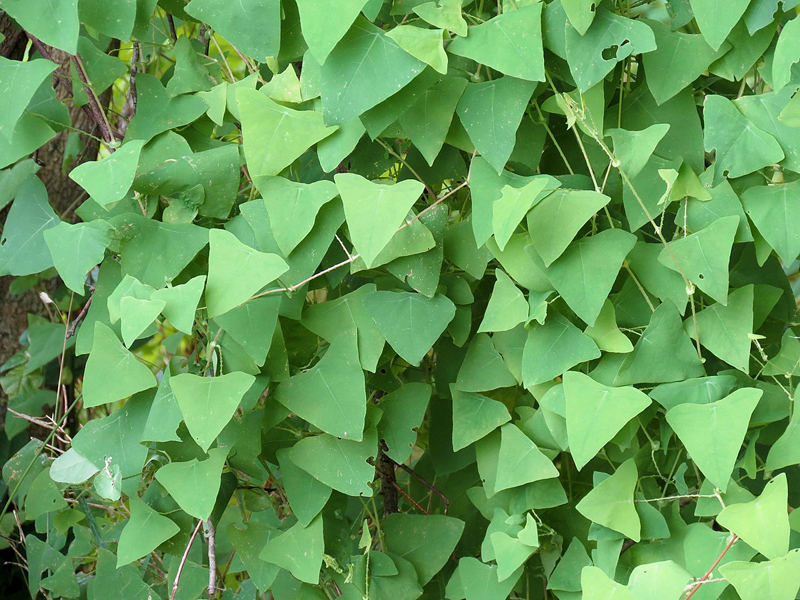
(410, 499)
(133, 98)
(183, 561)
(212, 558)
(204, 37)
(430, 486)
(72, 328)
(680, 497)
(98, 113)
(172, 33)
(696, 585)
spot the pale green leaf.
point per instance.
(208, 403)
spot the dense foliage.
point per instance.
(400, 299)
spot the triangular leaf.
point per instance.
(229, 287)
(208, 403)
(713, 433)
(112, 373)
(762, 523)
(331, 394)
(596, 413)
(610, 503)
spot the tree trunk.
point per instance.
(64, 194)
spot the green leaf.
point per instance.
(609, 35)
(704, 256)
(679, 59)
(43, 496)
(445, 14)
(596, 585)
(520, 461)
(786, 54)
(208, 403)
(426, 541)
(157, 111)
(190, 75)
(72, 467)
(331, 394)
(510, 554)
(227, 288)
(248, 540)
(510, 43)
(585, 273)
(716, 20)
(713, 433)
(491, 113)
(117, 23)
(777, 579)
(741, 148)
(320, 30)
(346, 313)
(553, 348)
(181, 302)
(194, 484)
(410, 322)
(54, 23)
(374, 211)
(513, 205)
(136, 316)
(154, 252)
(275, 136)
(610, 503)
(253, 26)
(482, 580)
(424, 44)
(18, 84)
(775, 211)
(145, 530)
(112, 373)
(114, 440)
(23, 249)
(785, 450)
(299, 550)
(165, 414)
(252, 325)
(606, 334)
(77, 249)
(634, 148)
(787, 360)
(403, 412)
(580, 13)
(660, 578)
(507, 306)
(664, 336)
(596, 413)
(364, 69)
(556, 220)
(762, 523)
(345, 467)
(483, 368)
(293, 207)
(474, 417)
(725, 330)
(306, 495)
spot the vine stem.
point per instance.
(183, 561)
(705, 577)
(211, 536)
